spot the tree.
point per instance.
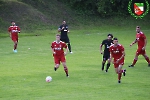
(101, 7)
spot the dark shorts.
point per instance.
(106, 56)
(66, 40)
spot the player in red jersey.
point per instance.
(59, 54)
(13, 32)
(117, 53)
(142, 42)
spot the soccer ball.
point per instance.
(48, 79)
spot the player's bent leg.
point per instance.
(119, 68)
(103, 64)
(134, 61)
(65, 68)
(147, 59)
(122, 71)
(57, 62)
(56, 66)
(15, 46)
(116, 70)
(119, 73)
(108, 65)
(69, 47)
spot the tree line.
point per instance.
(104, 8)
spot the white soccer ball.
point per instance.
(48, 79)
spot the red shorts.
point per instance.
(58, 59)
(121, 62)
(14, 38)
(140, 51)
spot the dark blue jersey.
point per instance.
(64, 32)
(107, 44)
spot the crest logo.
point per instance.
(138, 9)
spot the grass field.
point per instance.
(22, 75)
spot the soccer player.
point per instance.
(13, 32)
(59, 54)
(142, 42)
(106, 54)
(117, 55)
(64, 34)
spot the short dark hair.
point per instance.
(110, 35)
(137, 26)
(12, 21)
(115, 38)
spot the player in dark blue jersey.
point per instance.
(106, 53)
(64, 34)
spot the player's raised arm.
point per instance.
(59, 29)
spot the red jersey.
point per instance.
(14, 30)
(140, 39)
(116, 51)
(58, 47)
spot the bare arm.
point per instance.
(123, 54)
(133, 42)
(145, 40)
(111, 58)
(60, 29)
(101, 48)
(66, 51)
(53, 51)
(9, 34)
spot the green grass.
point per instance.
(22, 75)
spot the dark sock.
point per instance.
(55, 68)
(108, 65)
(103, 64)
(69, 47)
(15, 46)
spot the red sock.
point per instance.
(147, 59)
(66, 70)
(15, 46)
(119, 76)
(122, 71)
(134, 62)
